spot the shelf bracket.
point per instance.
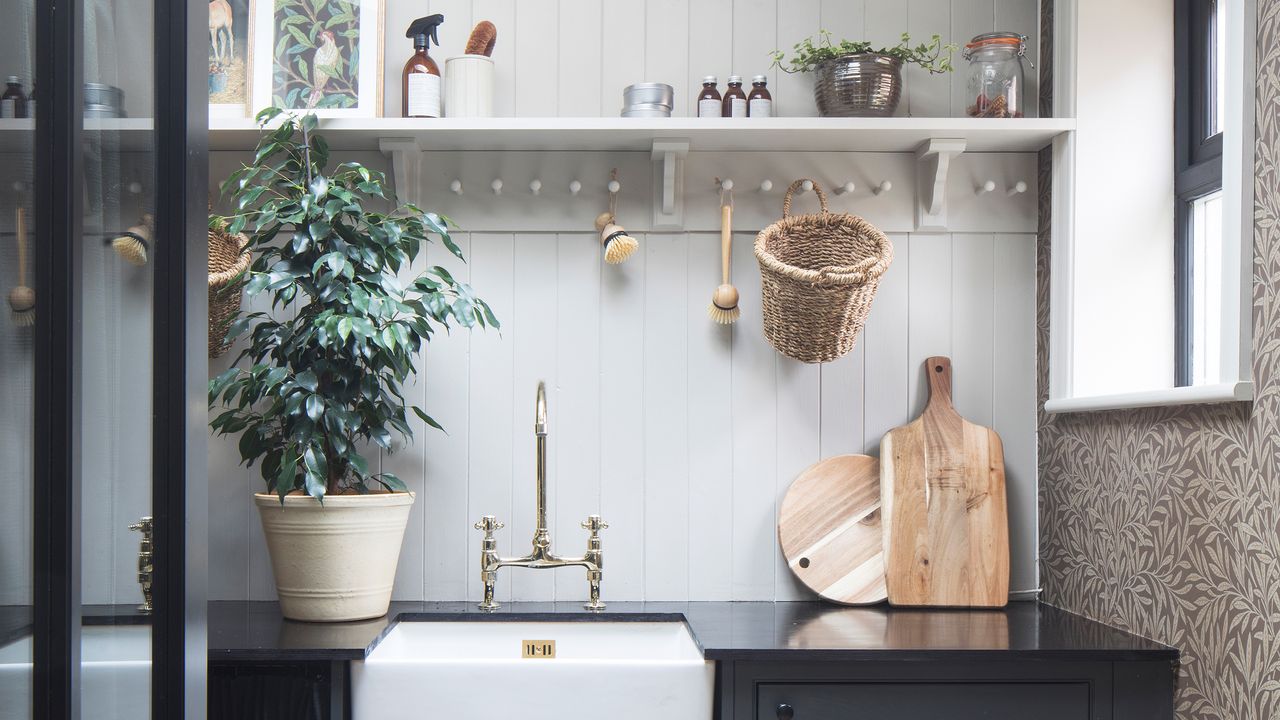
(406, 162)
(933, 161)
(668, 183)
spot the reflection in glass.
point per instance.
(17, 387)
(114, 359)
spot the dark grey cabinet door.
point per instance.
(922, 701)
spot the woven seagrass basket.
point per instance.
(229, 260)
(819, 274)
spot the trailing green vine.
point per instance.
(933, 56)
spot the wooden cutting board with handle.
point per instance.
(829, 530)
(946, 527)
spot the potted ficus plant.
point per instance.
(858, 79)
(317, 388)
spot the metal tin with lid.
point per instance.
(648, 100)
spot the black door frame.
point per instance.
(179, 494)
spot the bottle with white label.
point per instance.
(13, 104)
(709, 98)
(734, 103)
(759, 102)
(421, 89)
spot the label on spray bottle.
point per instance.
(424, 95)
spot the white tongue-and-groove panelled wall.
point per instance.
(682, 434)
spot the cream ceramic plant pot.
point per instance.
(334, 562)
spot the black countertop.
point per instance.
(255, 631)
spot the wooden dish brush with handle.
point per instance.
(724, 303)
(22, 299)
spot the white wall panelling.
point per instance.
(683, 434)
(574, 57)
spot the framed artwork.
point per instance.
(230, 56)
(319, 55)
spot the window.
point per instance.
(1200, 83)
(1155, 184)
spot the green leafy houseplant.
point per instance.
(323, 371)
(933, 56)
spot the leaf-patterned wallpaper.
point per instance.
(1166, 522)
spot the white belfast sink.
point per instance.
(115, 674)
(615, 670)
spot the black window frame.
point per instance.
(1197, 157)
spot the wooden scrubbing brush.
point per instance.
(134, 243)
(483, 36)
(22, 299)
(724, 303)
(618, 245)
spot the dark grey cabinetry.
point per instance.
(964, 688)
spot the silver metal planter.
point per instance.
(861, 85)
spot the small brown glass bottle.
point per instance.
(759, 102)
(709, 98)
(735, 101)
(13, 104)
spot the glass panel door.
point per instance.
(113, 365)
(94, 395)
(17, 368)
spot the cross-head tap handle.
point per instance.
(594, 524)
(489, 523)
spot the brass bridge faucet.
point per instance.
(541, 556)
(146, 566)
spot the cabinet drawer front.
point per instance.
(922, 701)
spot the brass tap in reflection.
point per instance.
(541, 556)
(146, 564)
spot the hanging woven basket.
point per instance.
(229, 260)
(818, 275)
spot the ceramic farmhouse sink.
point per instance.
(115, 674)
(616, 670)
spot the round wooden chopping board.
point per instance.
(829, 529)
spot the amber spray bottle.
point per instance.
(421, 83)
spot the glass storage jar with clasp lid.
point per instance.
(996, 75)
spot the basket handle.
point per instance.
(817, 189)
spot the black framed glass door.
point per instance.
(113, 361)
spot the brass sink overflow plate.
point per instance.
(538, 649)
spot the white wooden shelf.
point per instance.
(133, 134)
(792, 134)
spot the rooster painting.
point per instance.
(317, 54)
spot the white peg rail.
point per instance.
(565, 191)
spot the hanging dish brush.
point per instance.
(22, 299)
(724, 303)
(618, 245)
(133, 244)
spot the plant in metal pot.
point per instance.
(858, 79)
(318, 385)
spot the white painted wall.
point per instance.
(682, 434)
(1122, 243)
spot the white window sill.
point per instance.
(1197, 395)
